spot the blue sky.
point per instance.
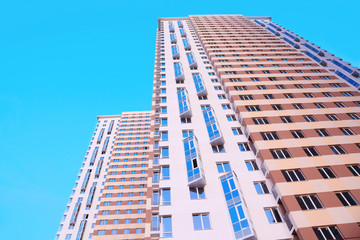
(64, 62)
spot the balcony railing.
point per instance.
(171, 28)
(93, 155)
(194, 167)
(173, 38)
(191, 60)
(100, 135)
(320, 61)
(184, 104)
(180, 24)
(86, 180)
(314, 49)
(75, 213)
(91, 196)
(199, 84)
(81, 230)
(182, 32)
(345, 68)
(212, 127)
(179, 74)
(238, 214)
(175, 51)
(186, 43)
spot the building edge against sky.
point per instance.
(253, 134)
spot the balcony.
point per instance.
(296, 39)
(175, 51)
(173, 38)
(295, 45)
(212, 126)
(320, 61)
(110, 127)
(93, 156)
(186, 43)
(199, 84)
(194, 167)
(346, 78)
(98, 168)
(314, 49)
(105, 145)
(81, 230)
(182, 32)
(191, 60)
(274, 26)
(75, 213)
(180, 24)
(184, 104)
(238, 215)
(100, 135)
(86, 180)
(260, 23)
(273, 31)
(345, 68)
(179, 73)
(171, 28)
(91, 196)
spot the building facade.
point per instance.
(253, 134)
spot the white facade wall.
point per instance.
(182, 207)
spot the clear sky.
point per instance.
(63, 62)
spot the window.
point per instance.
(293, 175)
(353, 116)
(254, 108)
(347, 131)
(243, 147)
(185, 120)
(280, 153)
(319, 105)
(197, 193)
(332, 117)
(164, 136)
(308, 202)
(286, 119)
(346, 199)
(187, 133)
(326, 94)
(328, 233)
(165, 172)
(237, 131)
(277, 107)
(166, 197)
(68, 236)
(310, 118)
(326, 172)
(322, 132)
(273, 215)
(260, 121)
(311, 151)
(221, 96)
(246, 97)
(126, 231)
(225, 106)
(354, 169)
(201, 221)
(288, 95)
(269, 135)
(309, 95)
(100, 232)
(218, 148)
(298, 134)
(164, 122)
(163, 110)
(261, 87)
(337, 149)
(164, 152)
(347, 94)
(230, 118)
(269, 96)
(251, 165)
(223, 167)
(261, 188)
(166, 226)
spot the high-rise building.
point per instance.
(253, 134)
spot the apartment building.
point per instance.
(253, 134)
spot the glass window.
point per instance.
(197, 193)
(166, 226)
(223, 167)
(201, 221)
